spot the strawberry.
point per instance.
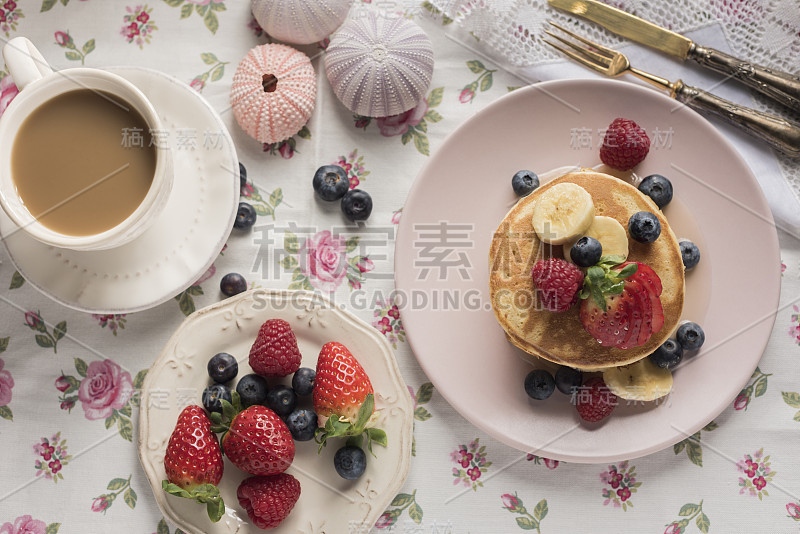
(193, 461)
(268, 500)
(621, 306)
(594, 401)
(274, 353)
(625, 145)
(344, 394)
(257, 441)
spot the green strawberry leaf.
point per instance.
(611, 260)
(628, 271)
(365, 412)
(207, 494)
(599, 298)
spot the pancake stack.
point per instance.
(560, 337)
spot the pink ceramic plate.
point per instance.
(463, 193)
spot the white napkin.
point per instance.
(758, 155)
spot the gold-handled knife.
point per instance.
(780, 86)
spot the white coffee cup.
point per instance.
(38, 83)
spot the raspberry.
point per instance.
(275, 353)
(268, 500)
(557, 283)
(594, 400)
(625, 145)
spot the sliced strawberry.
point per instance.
(639, 310)
(651, 281)
(646, 273)
(647, 321)
(607, 327)
(608, 311)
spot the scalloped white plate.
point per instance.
(328, 504)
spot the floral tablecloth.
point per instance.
(68, 408)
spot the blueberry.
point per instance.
(282, 400)
(302, 424)
(668, 355)
(658, 188)
(357, 205)
(303, 381)
(524, 183)
(242, 175)
(213, 395)
(350, 462)
(252, 389)
(232, 284)
(222, 367)
(586, 251)
(644, 227)
(690, 336)
(245, 216)
(539, 384)
(568, 380)
(331, 182)
(690, 254)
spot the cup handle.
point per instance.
(25, 63)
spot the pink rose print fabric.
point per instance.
(105, 392)
(324, 261)
(621, 479)
(51, 457)
(8, 90)
(758, 472)
(471, 464)
(24, 524)
(106, 388)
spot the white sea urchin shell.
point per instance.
(300, 21)
(379, 66)
(273, 92)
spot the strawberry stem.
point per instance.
(602, 279)
(337, 426)
(207, 494)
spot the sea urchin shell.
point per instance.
(300, 21)
(379, 66)
(273, 92)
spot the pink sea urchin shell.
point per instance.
(379, 66)
(273, 92)
(300, 21)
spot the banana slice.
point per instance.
(562, 213)
(609, 232)
(642, 381)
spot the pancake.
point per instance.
(560, 337)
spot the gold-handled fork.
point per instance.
(780, 133)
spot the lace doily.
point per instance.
(764, 31)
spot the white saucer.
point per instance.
(182, 242)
